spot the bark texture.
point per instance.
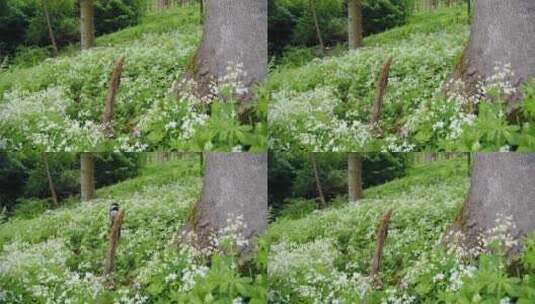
(87, 176)
(234, 32)
(382, 233)
(354, 176)
(115, 234)
(502, 184)
(354, 26)
(502, 32)
(234, 184)
(380, 91)
(87, 24)
(113, 87)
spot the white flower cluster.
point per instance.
(320, 105)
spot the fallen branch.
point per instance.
(380, 91)
(115, 234)
(382, 233)
(115, 81)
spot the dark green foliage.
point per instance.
(113, 15)
(291, 176)
(23, 24)
(12, 177)
(24, 176)
(291, 23)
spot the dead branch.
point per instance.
(115, 81)
(382, 233)
(380, 91)
(113, 242)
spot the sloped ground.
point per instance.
(325, 256)
(58, 256)
(57, 105)
(324, 105)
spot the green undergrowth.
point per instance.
(58, 256)
(57, 105)
(324, 104)
(325, 256)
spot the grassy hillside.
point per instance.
(58, 256)
(325, 104)
(57, 105)
(325, 256)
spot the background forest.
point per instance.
(60, 252)
(404, 238)
(399, 76)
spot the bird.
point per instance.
(113, 212)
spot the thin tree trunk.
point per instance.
(354, 30)
(312, 5)
(323, 203)
(115, 81)
(50, 31)
(87, 176)
(87, 24)
(51, 186)
(380, 91)
(115, 234)
(382, 233)
(354, 176)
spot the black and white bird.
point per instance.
(114, 211)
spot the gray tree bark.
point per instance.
(234, 32)
(502, 184)
(502, 32)
(234, 184)
(87, 176)
(354, 176)
(87, 24)
(354, 26)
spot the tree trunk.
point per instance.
(380, 91)
(354, 27)
(87, 176)
(314, 164)
(312, 4)
(503, 32)
(113, 239)
(50, 31)
(234, 186)
(87, 24)
(115, 81)
(354, 176)
(502, 185)
(51, 186)
(235, 38)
